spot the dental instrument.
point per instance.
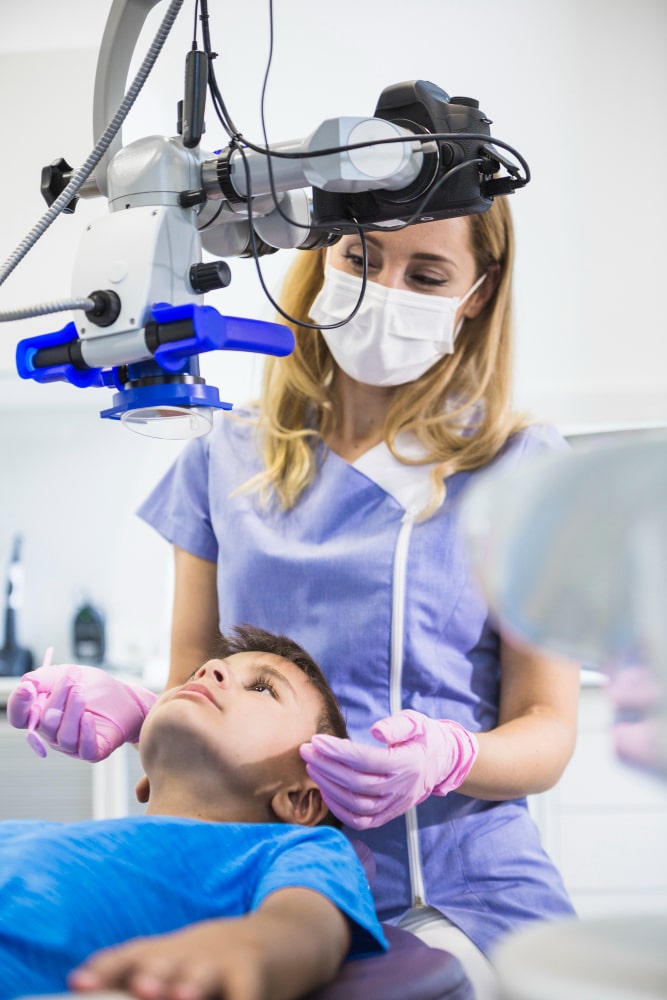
(33, 739)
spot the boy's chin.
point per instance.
(174, 737)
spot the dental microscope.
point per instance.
(139, 280)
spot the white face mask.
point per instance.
(395, 337)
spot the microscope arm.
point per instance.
(124, 23)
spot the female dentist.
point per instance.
(329, 512)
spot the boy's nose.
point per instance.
(215, 670)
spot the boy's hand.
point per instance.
(81, 711)
(213, 959)
(294, 943)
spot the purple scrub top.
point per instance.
(335, 573)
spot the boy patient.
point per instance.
(235, 841)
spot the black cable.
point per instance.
(194, 32)
(205, 34)
(429, 194)
(214, 218)
(216, 97)
(417, 137)
(235, 143)
(423, 137)
(239, 142)
(236, 140)
(262, 113)
(239, 138)
(255, 254)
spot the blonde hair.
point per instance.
(460, 410)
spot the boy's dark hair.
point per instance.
(252, 639)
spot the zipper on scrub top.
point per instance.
(395, 685)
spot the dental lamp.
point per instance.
(139, 280)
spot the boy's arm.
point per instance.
(292, 944)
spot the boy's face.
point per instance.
(238, 720)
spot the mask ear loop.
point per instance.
(467, 295)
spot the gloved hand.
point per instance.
(80, 711)
(366, 786)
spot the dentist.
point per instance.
(328, 511)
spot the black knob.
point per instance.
(55, 178)
(188, 199)
(106, 308)
(207, 277)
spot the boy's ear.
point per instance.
(300, 803)
(142, 789)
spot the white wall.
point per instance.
(578, 86)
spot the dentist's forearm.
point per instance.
(522, 757)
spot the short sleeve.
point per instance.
(322, 859)
(529, 443)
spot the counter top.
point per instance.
(7, 685)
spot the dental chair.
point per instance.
(410, 970)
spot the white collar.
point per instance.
(410, 485)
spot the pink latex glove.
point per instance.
(80, 711)
(636, 695)
(366, 786)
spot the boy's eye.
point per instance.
(263, 687)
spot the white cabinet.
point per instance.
(605, 823)
(57, 788)
(61, 788)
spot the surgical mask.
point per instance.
(395, 336)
